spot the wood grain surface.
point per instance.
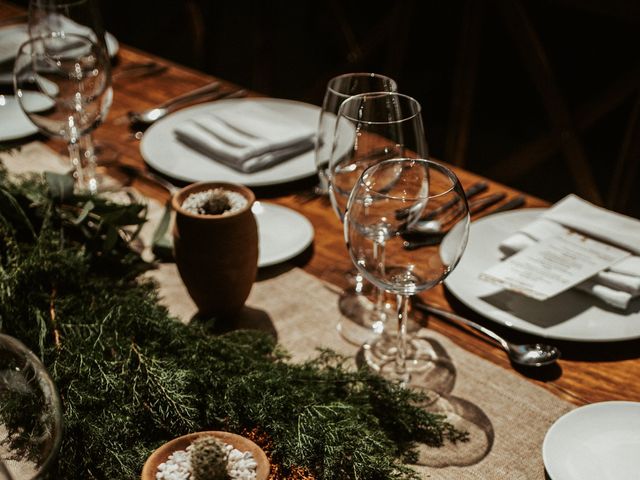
(587, 373)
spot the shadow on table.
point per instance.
(248, 319)
(460, 413)
(465, 416)
(582, 351)
(549, 313)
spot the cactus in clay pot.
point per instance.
(209, 459)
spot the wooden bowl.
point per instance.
(181, 443)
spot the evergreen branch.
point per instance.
(131, 377)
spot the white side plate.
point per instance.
(15, 124)
(600, 441)
(283, 233)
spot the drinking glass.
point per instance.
(338, 90)
(31, 418)
(62, 82)
(371, 127)
(387, 200)
(78, 17)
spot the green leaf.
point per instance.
(12, 213)
(84, 213)
(162, 243)
(60, 185)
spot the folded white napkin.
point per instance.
(246, 136)
(618, 284)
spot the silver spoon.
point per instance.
(529, 355)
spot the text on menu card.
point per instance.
(553, 265)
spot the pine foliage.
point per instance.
(131, 377)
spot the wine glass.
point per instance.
(338, 90)
(30, 413)
(62, 82)
(371, 127)
(389, 197)
(78, 17)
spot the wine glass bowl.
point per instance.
(388, 199)
(69, 75)
(371, 127)
(79, 17)
(377, 126)
(338, 90)
(30, 413)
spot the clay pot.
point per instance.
(216, 255)
(181, 443)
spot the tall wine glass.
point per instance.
(370, 128)
(78, 17)
(70, 75)
(387, 200)
(338, 90)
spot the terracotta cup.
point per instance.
(216, 255)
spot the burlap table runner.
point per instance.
(302, 312)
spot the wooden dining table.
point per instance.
(586, 373)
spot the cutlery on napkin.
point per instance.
(616, 285)
(245, 136)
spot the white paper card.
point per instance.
(553, 265)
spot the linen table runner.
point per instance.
(302, 312)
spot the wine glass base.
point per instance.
(361, 319)
(428, 366)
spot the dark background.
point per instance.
(290, 49)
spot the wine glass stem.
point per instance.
(83, 161)
(401, 346)
(380, 310)
(75, 156)
(89, 164)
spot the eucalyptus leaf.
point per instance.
(86, 209)
(60, 185)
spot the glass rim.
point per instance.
(333, 80)
(455, 181)
(360, 96)
(63, 3)
(49, 35)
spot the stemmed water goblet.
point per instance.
(70, 75)
(77, 17)
(387, 200)
(370, 128)
(340, 88)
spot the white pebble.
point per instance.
(195, 202)
(240, 465)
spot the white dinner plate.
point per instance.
(15, 124)
(571, 315)
(600, 441)
(162, 151)
(12, 36)
(283, 233)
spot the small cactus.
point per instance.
(217, 204)
(208, 459)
